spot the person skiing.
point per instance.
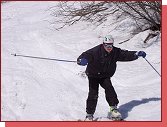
(101, 65)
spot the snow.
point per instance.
(43, 90)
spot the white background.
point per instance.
(2, 124)
(164, 2)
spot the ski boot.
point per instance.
(114, 114)
(89, 117)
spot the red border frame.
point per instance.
(164, 66)
(84, 124)
(117, 124)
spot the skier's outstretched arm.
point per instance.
(125, 55)
(85, 58)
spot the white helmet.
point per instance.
(108, 39)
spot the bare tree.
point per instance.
(95, 12)
(146, 14)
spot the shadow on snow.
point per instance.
(125, 108)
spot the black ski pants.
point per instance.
(110, 93)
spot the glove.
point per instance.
(82, 61)
(141, 53)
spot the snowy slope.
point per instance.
(34, 89)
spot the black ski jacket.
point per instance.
(102, 64)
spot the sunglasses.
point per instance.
(108, 45)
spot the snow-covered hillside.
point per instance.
(43, 90)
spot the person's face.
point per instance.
(108, 47)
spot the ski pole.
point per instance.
(36, 57)
(152, 67)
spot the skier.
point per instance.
(101, 65)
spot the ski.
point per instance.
(109, 117)
(102, 119)
(96, 119)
